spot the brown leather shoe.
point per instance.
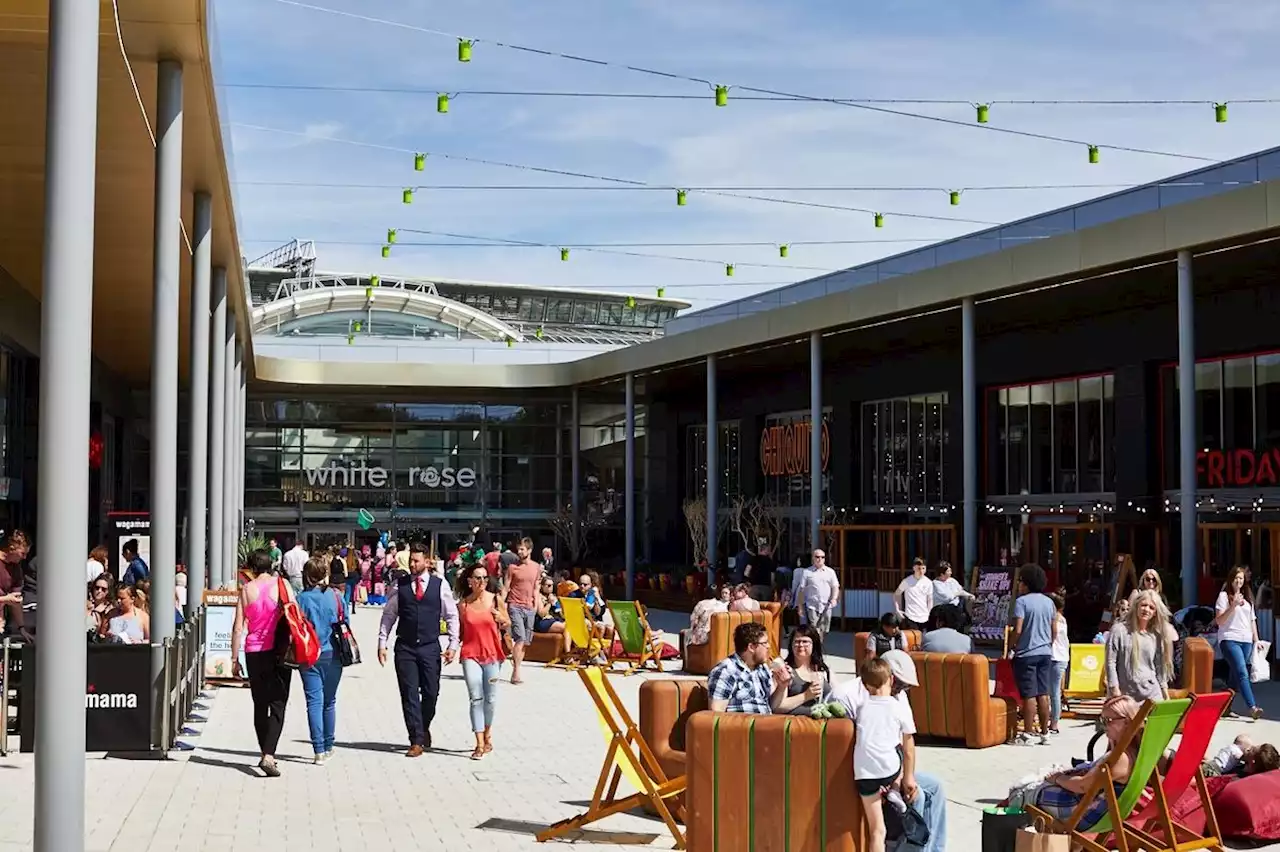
(415, 750)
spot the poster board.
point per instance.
(117, 700)
(220, 616)
(122, 526)
(993, 592)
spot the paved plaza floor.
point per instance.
(548, 751)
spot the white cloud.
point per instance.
(989, 50)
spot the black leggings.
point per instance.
(269, 685)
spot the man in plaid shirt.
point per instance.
(745, 682)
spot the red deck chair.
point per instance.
(1152, 828)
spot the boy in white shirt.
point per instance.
(885, 742)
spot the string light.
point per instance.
(954, 196)
(1093, 154)
(391, 236)
(442, 102)
(879, 220)
(784, 250)
(419, 162)
(662, 291)
(984, 113)
(722, 96)
(407, 195)
(386, 251)
(464, 55)
(682, 197)
(1220, 113)
(728, 269)
(564, 254)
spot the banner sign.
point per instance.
(1238, 468)
(117, 698)
(993, 603)
(785, 450)
(121, 527)
(220, 616)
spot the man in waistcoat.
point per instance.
(423, 604)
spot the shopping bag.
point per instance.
(1006, 684)
(1260, 668)
(1030, 840)
(1000, 828)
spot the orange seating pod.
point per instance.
(954, 701)
(665, 708)
(544, 648)
(1197, 669)
(771, 782)
(914, 639)
(701, 659)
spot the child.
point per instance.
(885, 741)
(1241, 758)
(887, 636)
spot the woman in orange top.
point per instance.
(481, 613)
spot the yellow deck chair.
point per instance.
(1086, 681)
(628, 756)
(584, 635)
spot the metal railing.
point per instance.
(10, 681)
(183, 678)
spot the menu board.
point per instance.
(993, 603)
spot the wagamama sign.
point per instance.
(362, 475)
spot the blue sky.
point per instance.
(976, 51)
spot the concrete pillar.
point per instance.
(969, 394)
(629, 504)
(66, 331)
(1187, 424)
(198, 451)
(713, 470)
(226, 571)
(815, 439)
(164, 361)
(236, 451)
(217, 332)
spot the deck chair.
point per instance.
(628, 756)
(584, 635)
(637, 640)
(1157, 720)
(1154, 822)
(1086, 682)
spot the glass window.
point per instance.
(560, 310)
(1109, 432)
(785, 457)
(903, 446)
(999, 469)
(1041, 436)
(1209, 405)
(348, 412)
(1019, 450)
(1267, 401)
(1066, 463)
(696, 460)
(934, 455)
(1237, 404)
(457, 413)
(586, 312)
(1090, 441)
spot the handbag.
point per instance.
(345, 647)
(1260, 668)
(1030, 840)
(905, 828)
(296, 641)
(1006, 684)
(1000, 828)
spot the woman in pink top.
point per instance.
(257, 614)
(480, 613)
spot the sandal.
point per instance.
(488, 746)
(478, 753)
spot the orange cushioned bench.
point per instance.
(665, 708)
(701, 659)
(544, 647)
(954, 700)
(1197, 669)
(771, 782)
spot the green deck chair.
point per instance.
(635, 637)
(1158, 722)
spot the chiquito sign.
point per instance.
(362, 475)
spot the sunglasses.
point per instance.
(102, 588)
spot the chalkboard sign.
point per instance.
(993, 602)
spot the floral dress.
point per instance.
(700, 621)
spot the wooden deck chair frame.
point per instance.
(626, 744)
(579, 654)
(634, 662)
(1108, 833)
(1154, 829)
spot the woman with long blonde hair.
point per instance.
(1139, 652)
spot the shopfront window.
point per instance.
(1052, 437)
(785, 453)
(729, 457)
(903, 445)
(1237, 422)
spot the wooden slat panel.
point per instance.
(806, 785)
(700, 802)
(733, 779)
(769, 750)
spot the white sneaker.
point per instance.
(1044, 739)
(1022, 739)
(320, 758)
(328, 755)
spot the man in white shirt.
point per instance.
(293, 563)
(913, 599)
(819, 591)
(923, 791)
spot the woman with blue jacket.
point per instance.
(323, 607)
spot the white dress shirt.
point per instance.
(448, 611)
(294, 561)
(820, 588)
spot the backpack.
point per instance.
(296, 640)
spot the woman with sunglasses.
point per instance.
(480, 614)
(98, 606)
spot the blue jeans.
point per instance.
(931, 802)
(1055, 697)
(482, 687)
(1238, 656)
(320, 683)
(350, 595)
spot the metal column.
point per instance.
(164, 361)
(237, 455)
(815, 439)
(1187, 424)
(217, 333)
(241, 406)
(66, 323)
(713, 470)
(629, 478)
(969, 397)
(198, 451)
(226, 571)
(575, 450)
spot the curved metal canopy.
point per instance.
(281, 313)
